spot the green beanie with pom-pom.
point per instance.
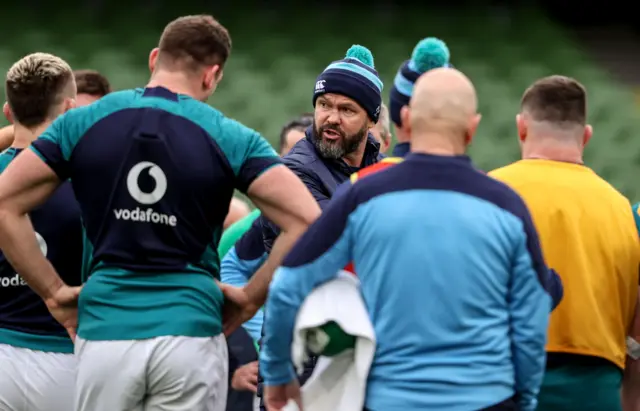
(428, 54)
(355, 77)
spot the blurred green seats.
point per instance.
(277, 56)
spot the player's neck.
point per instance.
(175, 82)
(355, 159)
(546, 150)
(23, 136)
(437, 144)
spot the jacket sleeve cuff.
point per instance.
(277, 374)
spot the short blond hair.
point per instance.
(35, 85)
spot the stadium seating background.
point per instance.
(278, 53)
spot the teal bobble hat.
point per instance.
(430, 53)
(355, 77)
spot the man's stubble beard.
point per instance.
(335, 150)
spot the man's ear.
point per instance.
(7, 112)
(153, 58)
(212, 76)
(473, 127)
(405, 116)
(69, 103)
(218, 72)
(588, 133)
(370, 123)
(521, 125)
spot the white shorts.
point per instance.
(36, 380)
(158, 374)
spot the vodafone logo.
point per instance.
(147, 215)
(158, 176)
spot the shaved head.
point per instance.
(444, 101)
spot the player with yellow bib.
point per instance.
(588, 236)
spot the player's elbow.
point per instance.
(300, 223)
(299, 220)
(311, 215)
(529, 328)
(9, 209)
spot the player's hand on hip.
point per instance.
(237, 309)
(276, 397)
(63, 306)
(245, 378)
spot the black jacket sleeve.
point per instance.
(269, 230)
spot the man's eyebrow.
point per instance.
(347, 104)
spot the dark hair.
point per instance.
(556, 99)
(91, 82)
(300, 123)
(194, 41)
(35, 85)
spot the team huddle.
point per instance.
(458, 290)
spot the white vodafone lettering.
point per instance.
(146, 215)
(16, 280)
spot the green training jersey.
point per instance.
(232, 234)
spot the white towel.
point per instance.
(338, 383)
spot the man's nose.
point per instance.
(334, 117)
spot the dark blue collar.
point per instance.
(160, 92)
(461, 159)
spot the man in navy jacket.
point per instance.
(347, 101)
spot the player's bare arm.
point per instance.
(285, 201)
(6, 137)
(26, 183)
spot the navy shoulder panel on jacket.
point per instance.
(427, 172)
(441, 173)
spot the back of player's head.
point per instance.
(191, 42)
(299, 124)
(558, 100)
(39, 87)
(92, 83)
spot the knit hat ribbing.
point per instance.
(354, 77)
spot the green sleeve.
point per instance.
(232, 234)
